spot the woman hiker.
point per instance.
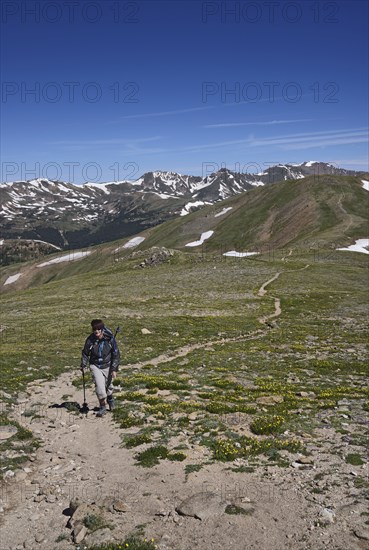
(102, 353)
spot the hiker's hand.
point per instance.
(82, 369)
(114, 374)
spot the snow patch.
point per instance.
(257, 183)
(12, 279)
(132, 243)
(204, 237)
(186, 209)
(1, 242)
(365, 184)
(67, 258)
(311, 162)
(223, 211)
(360, 245)
(101, 186)
(239, 254)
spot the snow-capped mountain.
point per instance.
(73, 216)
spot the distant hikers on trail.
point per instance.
(102, 354)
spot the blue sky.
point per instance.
(100, 91)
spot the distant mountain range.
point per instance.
(71, 216)
(311, 216)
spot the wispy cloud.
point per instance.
(166, 113)
(315, 139)
(88, 143)
(257, 123)
(296, 141)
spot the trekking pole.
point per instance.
(85, 408)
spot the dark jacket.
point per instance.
(102, 353)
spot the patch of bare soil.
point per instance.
(81, 458)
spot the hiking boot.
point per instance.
(111, 403)
(101, 412)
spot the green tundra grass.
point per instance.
(244, 388)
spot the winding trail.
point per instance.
(277, 302)
(185, 350)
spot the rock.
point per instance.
(309, 394)
(145, 331)
(7, 431)
(120, 506)
(39, 537)
(202, 506)
(98, 538)
(327, 515)
(362, 533)
(81, 512)
(20, 476)
(305, 460)
(270, 399)
(79, 532)
(343, 402)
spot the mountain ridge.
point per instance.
(72, 216)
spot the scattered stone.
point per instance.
(145, 331)
(362, 533)
(79, 532)
(39, 537)
(156, 256)
(99, 537)
(309, 394)
(327, 515)
(305, 460)
(298, 465)
(270, 399)
(120, 506)
(7, 431)
(202, 506)
(81, 512)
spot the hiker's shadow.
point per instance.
(73, 407)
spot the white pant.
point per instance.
(100, 377)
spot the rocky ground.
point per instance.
(82, 468)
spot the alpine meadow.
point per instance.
(184, 295)
(252, 368)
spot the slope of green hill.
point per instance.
(314, 213)
(321, 210)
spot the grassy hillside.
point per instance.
(220, 363)
(324, 210)
(314, 213)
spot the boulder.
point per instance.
(202, 506)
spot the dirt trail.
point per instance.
(350, 219)
(81, 456)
